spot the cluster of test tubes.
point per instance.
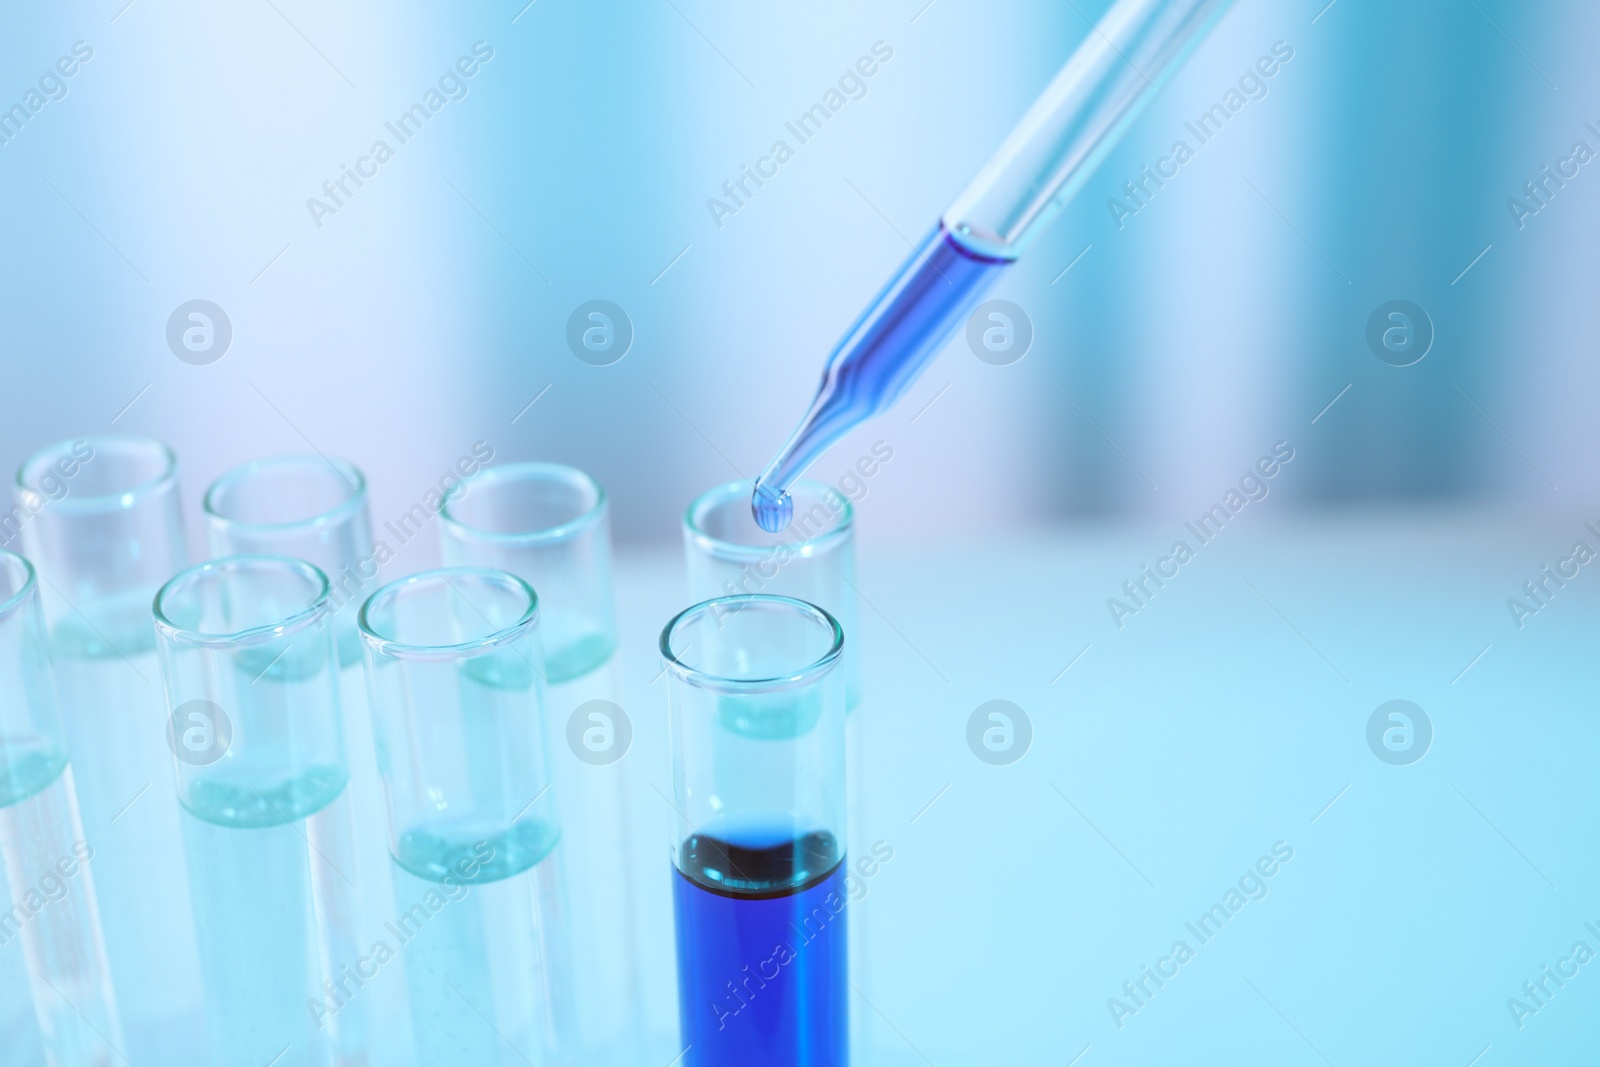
(268, 809)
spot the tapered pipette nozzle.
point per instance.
(1136, 46)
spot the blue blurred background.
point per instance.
(1172, 348)
(430, 309)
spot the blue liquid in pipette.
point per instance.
(878, 359)
(761, 951)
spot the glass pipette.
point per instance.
(1133, 51)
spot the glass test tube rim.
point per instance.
(30, 581)
(510, 634)
(110, 500)
(264, 633)
(733, 551)
(356, 499)
(717, 683)
(566, 530)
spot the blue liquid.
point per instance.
(761, 952)
(883, 353)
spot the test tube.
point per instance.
(812, 560)
(309, 507)
(100, 520)
(548, 524)
(251, 678)
(453, 674)
(51, 908)
(755, 707)
(315, 508)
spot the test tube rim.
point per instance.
(357, 498)
(320, 606)
(721, 684)
(739, 492)
(119, 500)
(563, 531)
(30, 583)
(384, 646)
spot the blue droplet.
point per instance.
(772, 514)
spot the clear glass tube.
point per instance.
(101, 522)
(307, 507)
(548, 525)
(756, 714)
(813, 560)
(316, 509)
(251, 675)
(453, 676)
(51, 906)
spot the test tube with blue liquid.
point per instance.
(455, 681)
(756, 709)
(251, 675)
(100, 520)
(1133, 50)
(50, 911)
(315, 508)
(813, 560)
(549, 525)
